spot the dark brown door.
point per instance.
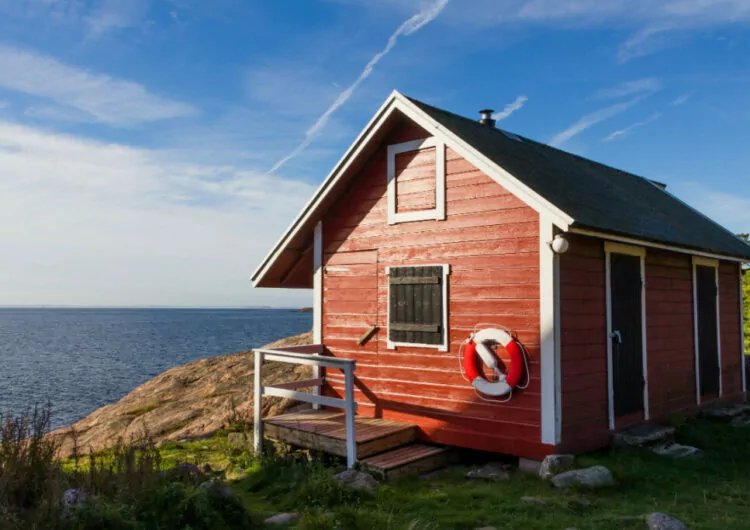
(626, 333)
(708, 333)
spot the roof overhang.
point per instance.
(289, 264)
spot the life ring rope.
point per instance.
(524, 353)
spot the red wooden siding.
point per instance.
(583, 346)
(490, 239)
(415, 180)
(730, 333)
(670, 340)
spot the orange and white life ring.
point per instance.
(480, 346)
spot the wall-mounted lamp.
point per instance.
(560, 245)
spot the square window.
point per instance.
(418, 306)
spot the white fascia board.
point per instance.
(651, 244)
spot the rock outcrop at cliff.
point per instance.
(189, 401)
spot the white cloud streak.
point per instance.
(630, 88)
(116, 14)
(592, 119)
(621, 133)
(681, 100)
(89, 223)
(410, 26)
(653, 22)
(510, 108)
(646, 41)
(103, 98)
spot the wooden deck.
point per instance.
(324, 430)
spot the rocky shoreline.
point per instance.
(186, 402)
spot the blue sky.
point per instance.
(152, 151)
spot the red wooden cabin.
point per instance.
(433, 225)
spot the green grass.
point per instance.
(708, 493)
(712, 492)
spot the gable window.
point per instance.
(416, 181)
(418, 306)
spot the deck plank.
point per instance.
(412, 459)
(325, 430)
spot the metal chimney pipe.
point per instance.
(486, 118)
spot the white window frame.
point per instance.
(446, 339)
(434, 214)
(619, 248)
(706, 262)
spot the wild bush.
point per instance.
(124, 487)
(31, 481)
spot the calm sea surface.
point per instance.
(82, 359)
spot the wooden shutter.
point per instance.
(416, 305)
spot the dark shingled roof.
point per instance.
(596, 196)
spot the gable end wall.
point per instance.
(490, 239)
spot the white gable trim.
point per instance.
(398, 102)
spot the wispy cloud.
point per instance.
(621, 133)
(410, 26)
(729, 209)
(647, 41)
(681, 100)
(116, 14)
(105, 99)
(592, 119)
(656, 24)
(4, 104)
(510, 108)
(133, 226)
(630, 88)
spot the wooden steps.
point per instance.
(413, 459)
(324, 430)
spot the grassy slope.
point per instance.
(708, 493)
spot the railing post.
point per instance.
(257, 405)
(351, 407)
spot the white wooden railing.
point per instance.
(306, 355)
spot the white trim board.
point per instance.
(438, 212)
(742, 333)
(445, 346)
(618, 248)
(318, 284)
(715, 265)
(317, 371)
(650, 244)
(548, 304)
(399, 103)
